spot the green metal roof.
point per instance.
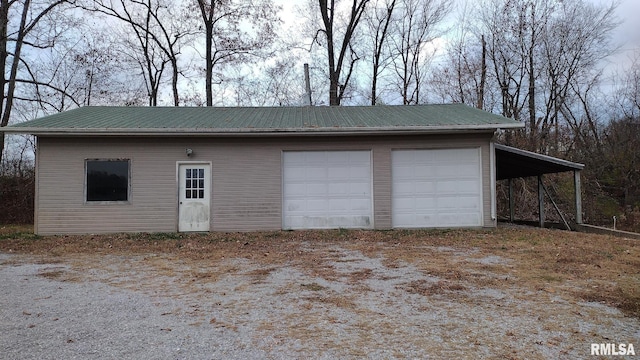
(101, 120)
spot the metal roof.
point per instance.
(105, 120)
(517, 163)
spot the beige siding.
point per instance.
(382, 187)
(246, 172)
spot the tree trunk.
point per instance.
(209, 60)
(336, 90)
(483, 75)
(174, 82)
(379, 44)
(8, 97)
(207, 19)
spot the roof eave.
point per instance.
(260, 132)
(570, 165)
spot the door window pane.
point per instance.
(195, 183)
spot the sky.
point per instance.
(626, 37)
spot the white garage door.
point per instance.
(327, 189)
(436, 188)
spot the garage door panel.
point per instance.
(405, 204)
(356, 157)
(292, 206)
(294, 174)
(457, 187)
(316, 205)
(468, 170)
(297, 189)
(360, 205)
(458, 202)
(337, 192)
(436, 188)
(423, 171)
(328, 222)
(448, 219)
(425, 204)
(447, 203)
(315, 173)
(360, 189)
(339, 205)
(425, 187)
(408, 220)
(453, 219)
(314, 189)
(359, 172)
(338, 173)
(338, 189)
(334, 157)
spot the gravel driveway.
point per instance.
(346, 305)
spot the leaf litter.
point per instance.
(512, 292)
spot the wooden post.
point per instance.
(511, 202)
(541, 200)
(578, 189)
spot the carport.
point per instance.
(512, 163)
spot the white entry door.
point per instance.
(194, 197)
(436, 188)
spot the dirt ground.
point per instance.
(508, 293)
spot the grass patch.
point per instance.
(429, 288)
(313, 287)
(24, 232)
(52, 274)
(550, 278)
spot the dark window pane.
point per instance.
(188, 194)
(201, 173)
(201, 194)
(194, 194)
(201, 184)
(107, 180)
(188, 184)
(188, 173)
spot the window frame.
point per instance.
(106, 202)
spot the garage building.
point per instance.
(165, 169)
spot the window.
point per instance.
(194, 186)
(107, 180)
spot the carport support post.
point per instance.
(511, 201)
(541, 200)
(578, 189)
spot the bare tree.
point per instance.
(627, 92)
(573, 44)
(23, 24)
(539, 50)
(339, 51)
(463, 75)
(82, 67)
(378, 20)
(506, 25)
(157, 40)
(234, 30)
(417, 28)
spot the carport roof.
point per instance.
(517, 163)
(219, 121)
